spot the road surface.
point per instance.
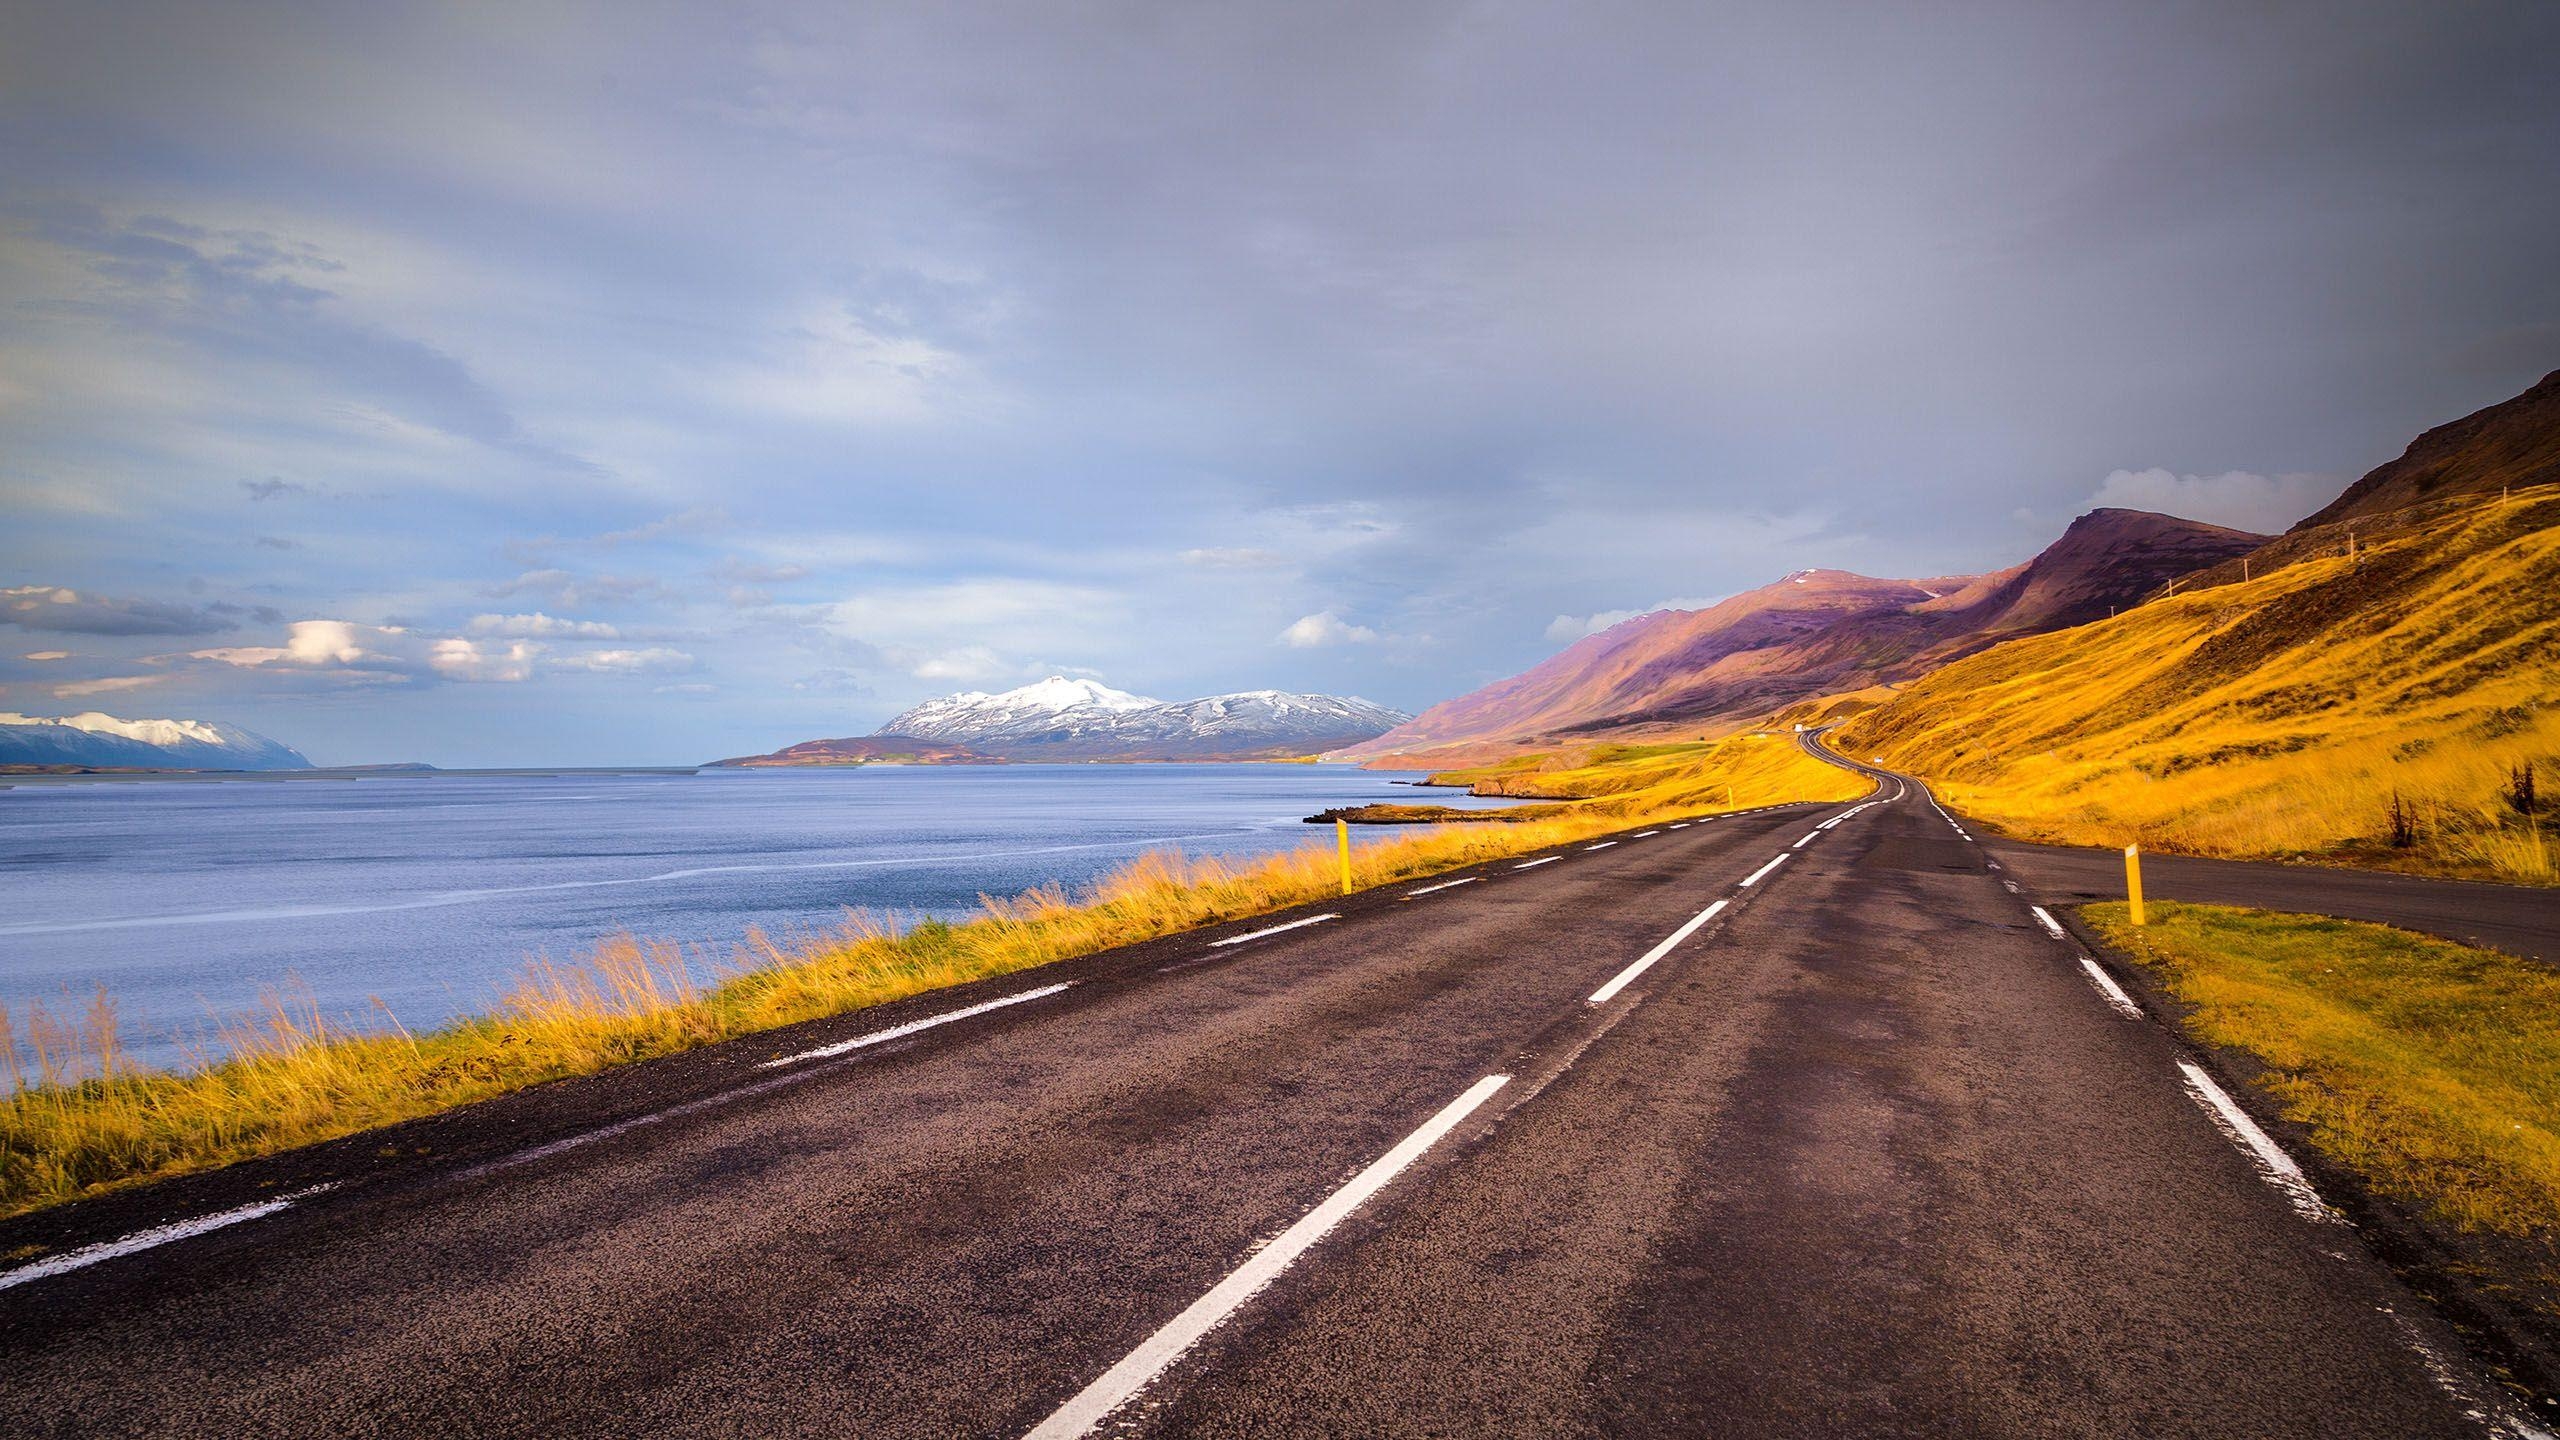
(1866, 1150)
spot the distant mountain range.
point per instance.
(1062, 719)
(94, 740)
(1815, 632)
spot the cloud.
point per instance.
(538, 626)
(1324, 628)
(834, 680)
(696, 521)
(654, 660)
(690, 687)
(1565, 629)
(74, 689)
(272, 489)
(699, 520)
(456, 658)
(62, 610)
(244, 301)
(1220, 557)
(380, 654)
(2238, 498)
(968, 663)
(277, 542)
(48, 655)
(951, 631)
(566, 588)
(744, 572)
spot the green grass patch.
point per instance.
(2428, 1068)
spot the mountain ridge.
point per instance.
(1061, 719)
(94, 739)
(1810, 633)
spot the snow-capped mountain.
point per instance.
(1056, 709)
(105, 741)
(1058, 718)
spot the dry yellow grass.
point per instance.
(2279, 716)
(2429, 1068)
(1737, 772)
(78, 1120)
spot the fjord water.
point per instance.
(188, 899)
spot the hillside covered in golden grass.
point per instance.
(2400, 707)
(1630, 784)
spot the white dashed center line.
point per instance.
(1809, 839)
(1761, 873)
(1122, 1382)
(1608, 992)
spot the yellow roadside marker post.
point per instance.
(2133, 879)
(1342, 836)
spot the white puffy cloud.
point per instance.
(1324, 628)
(2238, 498)
(540, 626)
(48, 655)
(381, 653)
(456, 658)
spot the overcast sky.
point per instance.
(545, 384)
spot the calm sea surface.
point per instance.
(187, 899)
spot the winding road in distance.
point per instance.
(1795, 1122)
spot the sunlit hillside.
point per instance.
(2383, 709)
(1738, 772)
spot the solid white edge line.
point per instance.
(2051, 926)
(2274, 1166)
(1608, 992)
(1122, 1382)
(1758, 874)
(1643, 833)
(1443, 885)
(157, 1235)
(2114, 993)
(1603, 845)
(1275, 929)
(900, 1032)
(1541, 860)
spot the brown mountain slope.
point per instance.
(1627, 669)
(1813, 633)
(2512, 443)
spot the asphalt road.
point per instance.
(1866, 1151)
(2519, 919)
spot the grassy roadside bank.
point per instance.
(1634, 781)
(77, 1120)
(2429, 1069)
(2395, 710)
